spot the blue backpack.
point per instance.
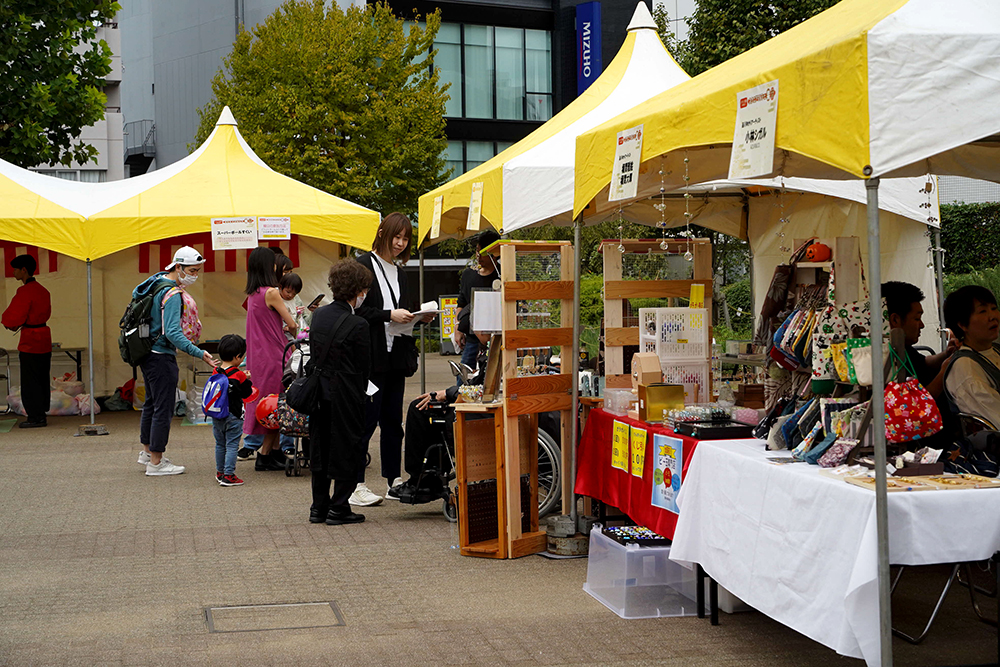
(215, 398)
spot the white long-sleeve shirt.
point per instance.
(971, 389)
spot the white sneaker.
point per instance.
(362, 496)
(396, 482)
(143, 458)
(165, 467)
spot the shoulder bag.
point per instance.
(304, 393)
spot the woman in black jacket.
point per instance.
(337, 431)
(385, 304)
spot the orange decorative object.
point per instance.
(818, 252)
(267, 412)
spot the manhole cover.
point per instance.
(288, 616)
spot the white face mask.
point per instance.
(360, 300)
(185, 280)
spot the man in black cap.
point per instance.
(28, 312)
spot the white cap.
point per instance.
(186, 256)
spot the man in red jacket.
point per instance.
(28, 312)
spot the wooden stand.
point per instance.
(616, 291)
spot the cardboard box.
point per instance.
(645, 369)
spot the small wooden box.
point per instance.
(645, 369)
(655, 398)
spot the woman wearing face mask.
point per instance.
(384, 304)
(266, 315)
(159, 369)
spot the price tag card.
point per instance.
(274, 229)
(637, 446)
(475, 208)
(667, 465)
(697, 296)
(625, 174)
(234, 233)
(436, 220)
(619, 446)
(753, 138)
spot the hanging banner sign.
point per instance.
(667, 465)
(619, 446)
(753, 138)
(589, 64)
(475, 208)
(274, 229)
(625, 174)
(436, 220)
(234, 233)
(637, 447)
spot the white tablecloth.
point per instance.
(801, 547)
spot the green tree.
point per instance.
(341, 100)
(52, 73)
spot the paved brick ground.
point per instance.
(100, 565)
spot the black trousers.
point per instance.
(421, 434)
(35, 376)
(385, 411)
(342, 490)
(160, 373)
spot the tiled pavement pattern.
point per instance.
(100, 565)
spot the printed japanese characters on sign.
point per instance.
(668, 463)
(628, 153)
(619, 446)
(274, 229)
(475, 208)
(753, 138)
(449, 309)
(637, 447)
(234, 233)
(436, 220)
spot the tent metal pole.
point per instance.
(575, 381)
(878, 419)
(423, 329)
(939, 274)
(90, 336)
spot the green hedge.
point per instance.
(970, 235)
(988, 278)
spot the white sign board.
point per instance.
(436, 220)
(274, 229)
(234, 233)
(625, 174)
(475, 208)
(753, 138)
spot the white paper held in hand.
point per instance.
(406, 329)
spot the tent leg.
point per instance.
(423, 339)
(90, 337)
(575, 382)
(939, 274)
(878, 418)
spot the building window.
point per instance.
(461, 156)
(85, 175)
(495, 72)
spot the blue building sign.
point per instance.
(588, 45)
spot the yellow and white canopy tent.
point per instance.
(867, 89)
(115, 227)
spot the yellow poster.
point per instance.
(436, 220)
(475, 208)
(619, 446)
(637, 447)
(697, 298)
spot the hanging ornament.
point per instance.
(687, 207)
(931, 220)
(621, 232)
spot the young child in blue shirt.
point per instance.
(227, 431)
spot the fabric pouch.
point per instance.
(775, 439)
(837, 453)
(820, 448)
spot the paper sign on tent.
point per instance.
(625, 174)
(436, 220)
(234, 233)
(475, 208)
(619, 446)
(274, 229)
(753, 138)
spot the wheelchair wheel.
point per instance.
(549, 468)
(451, 508)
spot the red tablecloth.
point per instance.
(596, 478)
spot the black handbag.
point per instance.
(304, 393)
(404, 355)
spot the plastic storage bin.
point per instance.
(675, 333)
(638, 582)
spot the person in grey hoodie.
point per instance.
(159, 369)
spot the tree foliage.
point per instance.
(721, 29)
(51, 78)
(341, 100)
(970, 235)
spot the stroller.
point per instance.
(295, 425)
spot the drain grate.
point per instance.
(287, 616)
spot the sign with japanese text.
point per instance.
(274, 229)
(449, 319)
(753, 138)
(619, 446)
(234, 233)
(637, 447)
(625, 174)
(436, 219)
(668, 461)
(475, 208)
